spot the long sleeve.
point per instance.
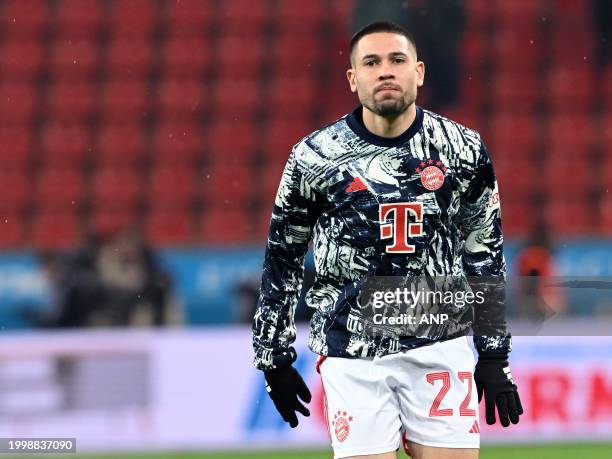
(293, 218)
(483, 259)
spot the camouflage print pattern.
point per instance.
(331, 193)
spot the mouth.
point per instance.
(387, 88)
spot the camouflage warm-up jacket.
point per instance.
(425, 203)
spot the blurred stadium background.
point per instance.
(141, 144)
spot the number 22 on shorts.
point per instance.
(444, 377)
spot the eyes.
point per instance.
(394, 60)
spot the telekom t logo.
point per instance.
(402, 228)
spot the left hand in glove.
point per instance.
(493, 378)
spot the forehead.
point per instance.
(382, 43)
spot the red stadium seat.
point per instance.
(129, 57)
(78, 17)
(270, 183)
(604, 217)
(236, 98)
(233, 139)
(20, 59)
(243, 17)
(514, 91)
(293, 97)
(18, 102)
(70, 101)
(116, 188)
(186, 57)
(606, 133)
(238, 57)
(74, 59)
(261, 223)
(574, 49)
(281, 134)
(570, 89)
(15, 148)
(55, 230)
(572, 13)
(517, 49)
(520, 12)
(478, 12)
(134, 18)
(568, 177)
(59, 188)
(228, 185)
(570, 134)
(181, 99)
(125, 100)
(470, 90)
(167, 226)
(512, 133)
(288, 62)
(152, 153)
(172, 187)
(107, 222)
(297, 15)
(518, 217)
(189, 17)
(120, 144)
(338, 99)
(15, 191)
(65, 143)
(605, 169)
(571, 7)
(11, 230)
(21, 19)
(177, 142)
(225, 226)
(569, 217)
(341, 11)
(472, 49)
(518, 176)
(606, 87)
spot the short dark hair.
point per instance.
(380, 26)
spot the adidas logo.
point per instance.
(475, 428)
(355, 185)
(508, 374)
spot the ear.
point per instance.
(351, 77)
(420, 69)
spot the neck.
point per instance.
(390, 126)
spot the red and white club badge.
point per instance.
(341, 425)
(432, 174)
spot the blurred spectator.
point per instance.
(137, 290)
(366, 12)
(76, 291)
(110, 283)
(602, 14)
(438, 27)
(535, 266)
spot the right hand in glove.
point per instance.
(284, 385)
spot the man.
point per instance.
(388, 190)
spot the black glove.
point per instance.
(284, 385)
(493, 377)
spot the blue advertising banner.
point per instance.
(206, 279)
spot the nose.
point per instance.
(385, 72)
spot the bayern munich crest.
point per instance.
(341, 425)
(432, 174)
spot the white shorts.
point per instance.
(426, 395)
